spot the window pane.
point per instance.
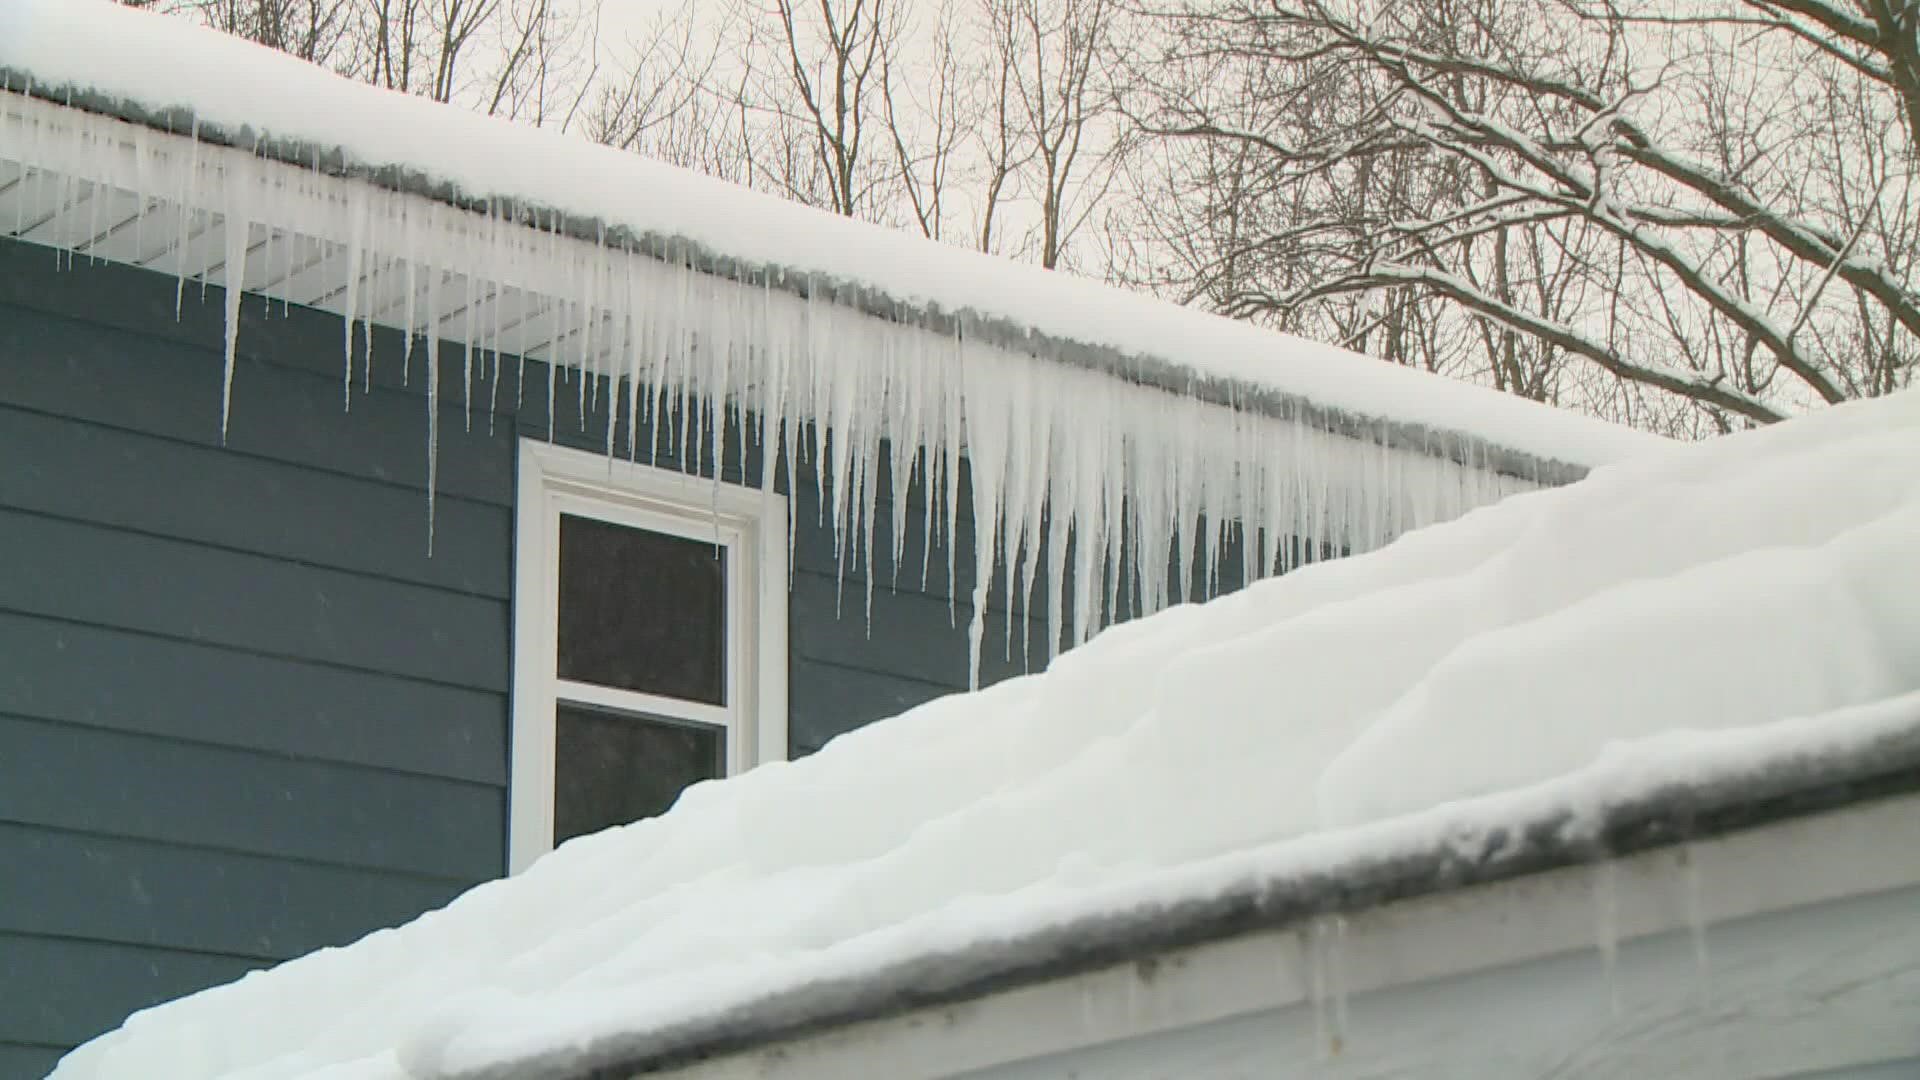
(611, 769)
(642, 610)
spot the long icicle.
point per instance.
(238, 226)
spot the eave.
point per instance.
(543, 222)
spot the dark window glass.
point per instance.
(611, 768)
(642, 610)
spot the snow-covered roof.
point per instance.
(172, 74)
(1734, 617)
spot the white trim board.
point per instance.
(752, 524)
(1790, 948)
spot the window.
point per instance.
(649, 645)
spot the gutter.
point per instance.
(1140, 369)
(1882, 765)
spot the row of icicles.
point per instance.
(1091, 495)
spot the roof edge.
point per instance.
(1885, 764)
(1460, 447)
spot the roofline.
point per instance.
(1665, 815)
(1464, 448)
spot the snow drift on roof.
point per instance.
(1750, 589)
(153, 66)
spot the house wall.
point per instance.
(243, 714)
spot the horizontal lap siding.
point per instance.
(247, 504)
(108, 576)
(157, 788)
(243, 714)
(118, 680)
(80, 987)
(156, 895)
(27, 1059)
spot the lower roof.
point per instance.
(1642, 800)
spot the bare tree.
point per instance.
(673, 99)
(1878, 39)
(1001, 152)
(815, 73)
(1051, 56)
(529, 59)
(314, 30)
(1651, 197)
(539, 61)
(927, 128)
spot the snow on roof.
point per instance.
(1731, 609)
(163, 70)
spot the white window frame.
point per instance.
(751, 524)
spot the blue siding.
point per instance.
(69, 1001)
(27, 1058)
(243, 714)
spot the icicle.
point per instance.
(356, 221)
(1314, 960)
(950, 472)
(410, 247)
(469, 287)
(1696, 916)
(1122, 497)
(1326, 947)
(93, 221)
(1019, 478)
(1060, 513)
(904, 421)
(987, 419)
(495, 294)
(1037, 461)
(433, 385)
(238, 225)
(553, 351)
(188, 180)
(1606, 927)
(266, 260)
(872, 416)
(142, 183)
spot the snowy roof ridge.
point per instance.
(1145, 369)
(1870, 752)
